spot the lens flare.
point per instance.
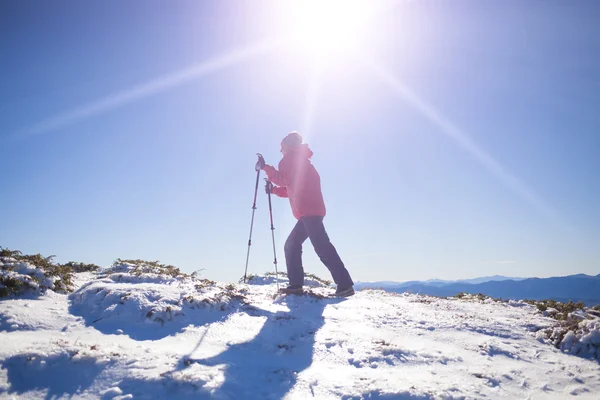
(461, 139)
(146, 89)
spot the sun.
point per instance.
(329, 28)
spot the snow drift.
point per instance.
(144, 330)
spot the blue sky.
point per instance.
(455, 139)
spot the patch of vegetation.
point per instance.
(249, 277)
(315, 294)
(204, 284)
(476, 297)
(36, 259)
(65, 275)
(562, 309)
(151, 267)
(566, 322)
(557, 334)
(220, 300)
(32, 280)
(233, 293)
(273, 273)
(82, 267)
(428, 299)
(325, 282)
(197, 273)
(11, 286)
(9, 253)
(40, 277)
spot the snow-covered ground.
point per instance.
(128, 333)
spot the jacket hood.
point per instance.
(300, 151)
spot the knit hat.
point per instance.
(293, 139)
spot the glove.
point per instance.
(268, 187)
(260, 164)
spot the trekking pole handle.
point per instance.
(260, 164)
(268, 186)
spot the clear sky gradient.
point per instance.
(454, 139)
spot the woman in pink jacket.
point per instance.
(298, 180)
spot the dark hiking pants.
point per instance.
(312, 227)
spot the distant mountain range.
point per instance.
(578, 287)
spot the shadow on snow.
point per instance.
(58, 374)
(267, 366)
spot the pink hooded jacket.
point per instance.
(298, 179)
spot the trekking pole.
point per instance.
(259, 164)
(269, 188)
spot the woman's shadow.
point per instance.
(267, 366)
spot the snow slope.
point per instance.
(126, 335)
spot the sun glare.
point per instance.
(329, 28)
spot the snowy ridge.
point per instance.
(132, 332)
(127, 295)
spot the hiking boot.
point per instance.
(347, 292)
(291, 290)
